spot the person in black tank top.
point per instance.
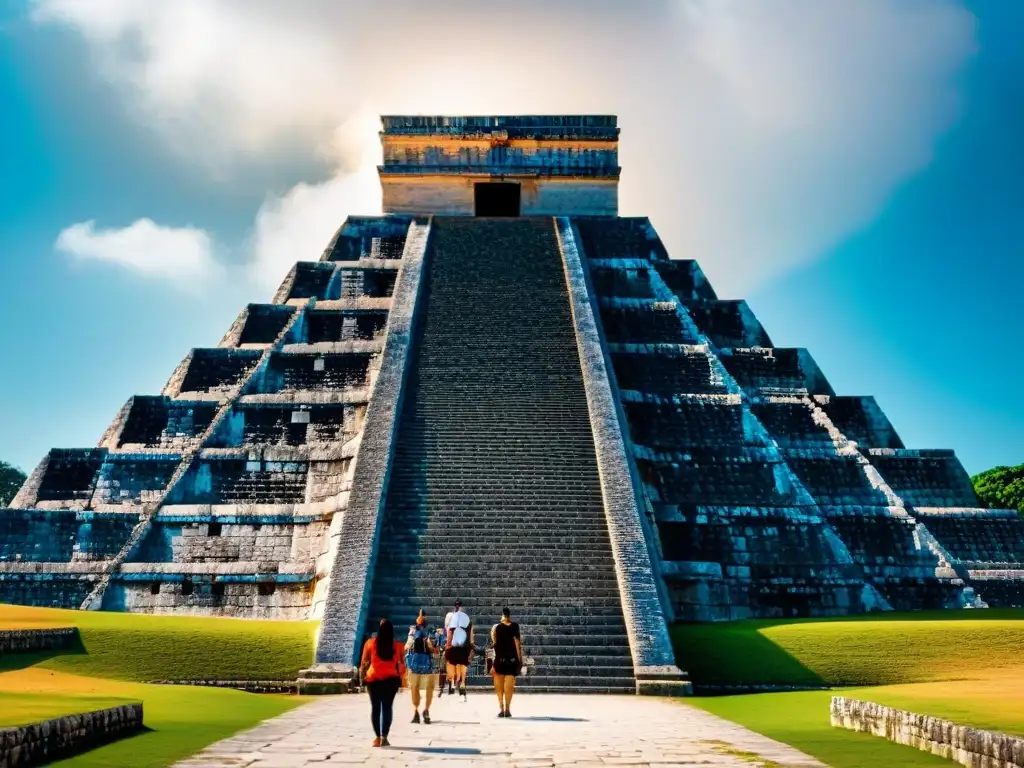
(506, 641)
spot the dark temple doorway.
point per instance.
(497, 198)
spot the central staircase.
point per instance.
(494, 496)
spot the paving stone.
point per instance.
(546, 730)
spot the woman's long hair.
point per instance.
(384, 643)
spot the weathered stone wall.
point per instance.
(41, 743)
(213, 595)
(454, 195)
(968, 746)
(28, 640)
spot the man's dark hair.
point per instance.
(506, 612)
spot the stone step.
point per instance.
(494, 494)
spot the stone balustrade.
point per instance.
(61, 737)
(972, 747)
(30, 640)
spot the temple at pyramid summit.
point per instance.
(503, 392)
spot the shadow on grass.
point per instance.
(10, 662)
(723, 656)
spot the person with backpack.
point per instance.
(440, 665)
(382, 671)
(419, 659)
(506, 641)
(459, 642)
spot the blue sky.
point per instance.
(892, 249)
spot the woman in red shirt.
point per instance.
(382, 670)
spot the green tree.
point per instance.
(11, 479)
(1001, 487)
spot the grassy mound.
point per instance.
(878, 649)
(964, 666)
(145, 648)
(119, 652)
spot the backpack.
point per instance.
(418, 658)
(459, 634)
(419, 640)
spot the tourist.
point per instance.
(459, 642)
(506, 641)
(419, 659)
(382, 671)
(440, 665)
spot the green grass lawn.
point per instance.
(879, 649)
(144, 648)
(965, 666)
(21, 708)
(801, 720)
(119, 652)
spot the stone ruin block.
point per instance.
(45, 590)
(134, 478)
(792, 425)
(161, 422)
(239, 481)
(71, 475)
(860, 420)
(31, 535)
(618, 238)
(978, 539)
(256, 596)
(773, 370)
(714, 476)
(281, 424)
(264, 323)
(345, 325)
(925, 478)
(306, 372)
(668, 372)
(612, 282)
(102, 535)
(369, 238)
(691, 423)
(835, 480)
(367, 281)
(642, 323)
(771, 565)
(728, 324)
(314, 280)
(685, 279)
(218, 370)
(231, 539)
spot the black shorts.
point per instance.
(507, 667)
(457, 656)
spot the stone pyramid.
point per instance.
(503, 392)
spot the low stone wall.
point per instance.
(967, 746)
(29, 640)
(41, 743)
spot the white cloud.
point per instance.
(183, 254)
(756, 134)
(298, 225)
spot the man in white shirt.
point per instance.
(459, 637)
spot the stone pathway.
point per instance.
(546, 730)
